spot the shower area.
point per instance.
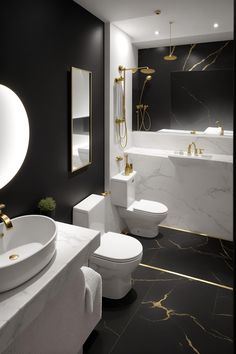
(142, 83)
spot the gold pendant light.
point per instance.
(170, 56)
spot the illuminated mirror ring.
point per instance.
(14, 134)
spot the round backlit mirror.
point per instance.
(14, 134)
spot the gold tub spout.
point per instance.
(5, 218)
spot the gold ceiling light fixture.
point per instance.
(170, 56)
(157, 12)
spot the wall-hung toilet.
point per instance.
(141, 217)
(118, 255)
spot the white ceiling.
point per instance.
(192, 19)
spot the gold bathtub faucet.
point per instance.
(196, 151)
(5, 218)
(190, 149)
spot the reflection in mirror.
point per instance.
(81, 118)
(200, 98)
(14, 138)
(191, 93)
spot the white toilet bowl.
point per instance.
(141, 217)
(117, 256)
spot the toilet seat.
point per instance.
(149, 207)
(118, 248)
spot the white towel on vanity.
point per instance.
(92, 281)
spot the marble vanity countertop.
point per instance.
(166, 153)
(20, 306)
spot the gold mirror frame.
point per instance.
(81, 118)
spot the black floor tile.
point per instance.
(179, 316)
(169, 313)
(194, 255)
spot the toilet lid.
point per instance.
(149, 207)
(118, 248)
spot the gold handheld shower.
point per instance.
(142, 113)
(122, 136)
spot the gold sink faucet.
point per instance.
(5, 218)
(220, 126)
(195, 152)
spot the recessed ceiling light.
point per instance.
(156, 32)
(216, 25)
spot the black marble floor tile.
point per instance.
(169, 313)
(116, 314)
(194, 255)
(180, 316)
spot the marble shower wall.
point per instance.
(198, 194)
(191, 92)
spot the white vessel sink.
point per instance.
(25, 249)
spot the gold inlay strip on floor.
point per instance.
(185, 230)
(187, 276)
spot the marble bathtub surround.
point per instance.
(22, 306)
(197, 191)
(180, 141)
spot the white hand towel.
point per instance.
(92, 281)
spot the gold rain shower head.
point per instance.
(147, 70)
(143, 69)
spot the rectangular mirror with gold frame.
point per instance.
(81, 119)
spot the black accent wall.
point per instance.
(40, 41)
(185, 78)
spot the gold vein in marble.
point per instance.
(186, 276)
(196, 99)
(224, 250)
(217, 55)
(171, 312)
(191, 344)
(223, 314)
(228, 265)
(158, 244)
(205, 242)
(221, 336)
(158, 304)
(216, 52)
(188, 56)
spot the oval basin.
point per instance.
(25, 249)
